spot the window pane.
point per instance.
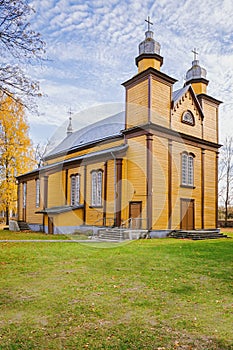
(37, 193)
(190, 171)
(24, 194)
(77, 190)
(99, 188)
(72, 194)
(94, 189)
(184, 169)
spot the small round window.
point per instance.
(188, 118)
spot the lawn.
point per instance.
(158, 294)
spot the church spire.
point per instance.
(149, 51)
(196, 76)
(69, 129)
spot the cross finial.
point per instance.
(70, 112)
(148, 22)
(195, 53)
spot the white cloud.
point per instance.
(93, 44)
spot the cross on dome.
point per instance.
(195, 53)
(148, 22)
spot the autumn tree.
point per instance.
(16, 152)
(19, 46)
(226, 175)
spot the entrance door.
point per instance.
(187, 214)
(50, 225)
(135, 211)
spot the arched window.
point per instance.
(187, 173)
(75, 189)
(96, 188)
(188, 118)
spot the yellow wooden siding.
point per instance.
(56, 192)
(136, 173)
(101, 146)
(210, 189)
(71, 218)
(160, 183)
(110, 203)
(210, 122)
(186, 103)
(94, 215)
(179, 192)
(31, 217)
(74, 171)
(160, 103)
(137, 104)
(147, 63)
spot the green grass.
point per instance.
(148, 294)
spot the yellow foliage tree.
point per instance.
(16, 152)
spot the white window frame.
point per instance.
(96, 188)
(24, 195)
(187, 169)
(37, 193)
(75, 189)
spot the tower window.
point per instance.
(188, 118)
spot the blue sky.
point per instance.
(92, 45)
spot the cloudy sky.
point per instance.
(92, 45)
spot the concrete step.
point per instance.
(197, 234)
(116, 234)
(23, 226)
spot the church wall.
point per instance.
(66, 222)
(98, 147)
(210, 189)
(160, 103)
(137, 104)
(31, 208)
(94, 215)
(136, 174)
(74, 171)
(178, 191)
(176, 124)
(160, 183)
(56, 191)
(110, 205)
(210, 122)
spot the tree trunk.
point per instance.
(7, 215)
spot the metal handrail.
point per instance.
(100, 219)
(130, 222)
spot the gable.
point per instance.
(186, 114)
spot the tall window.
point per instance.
(96, 189)
(24, 194)
(187, 160)
(37, 193)
(75, 189)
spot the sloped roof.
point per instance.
(99, 131)
(176, 96)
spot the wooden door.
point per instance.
(50, 225)
(187, 214)
(135, 214)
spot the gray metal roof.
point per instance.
(99, 131)
(176, 95)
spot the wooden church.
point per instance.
(153, 167)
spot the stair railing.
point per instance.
(94, 230)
